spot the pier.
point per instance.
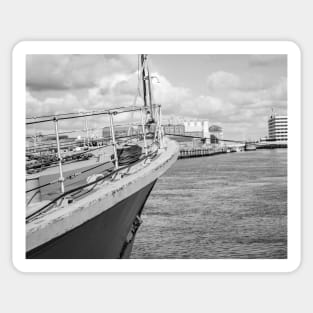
(272, 145)
(195, 153)
(186, 152)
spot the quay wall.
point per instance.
(195, 153)
(185, 153)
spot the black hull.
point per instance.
(109, 235)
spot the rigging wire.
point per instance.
(42, 210)
(78, 115)
(68, 177)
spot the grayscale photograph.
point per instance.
(156, 156)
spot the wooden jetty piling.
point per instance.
(195, 153)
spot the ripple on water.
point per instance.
(226, 206)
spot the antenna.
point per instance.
(273, 112)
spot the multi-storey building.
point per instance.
(197, 128)
(277, 128)
(175, 129)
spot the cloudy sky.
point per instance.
(237, 92)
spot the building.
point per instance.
(277, 128)
(197, 128)
(216, 134)
(119, 131)
(174, 129)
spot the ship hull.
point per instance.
(109, 235)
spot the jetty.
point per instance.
(196, 153)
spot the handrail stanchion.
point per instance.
(61, 178)
(87, 131)
(35, 143)
(144, 133)
(113, 140)
(161, 138)
(156, 119)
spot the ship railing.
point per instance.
(40, 150)
(74, 193)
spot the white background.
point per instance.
(140, 20)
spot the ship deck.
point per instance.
(62, 219)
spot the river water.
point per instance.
(232, 205)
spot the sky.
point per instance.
(237, 92)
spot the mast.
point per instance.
(146, 85)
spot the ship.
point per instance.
(250, 146)
(84, 198)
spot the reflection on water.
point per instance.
(227, 206)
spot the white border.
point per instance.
(156, 47)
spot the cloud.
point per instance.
(267, 60)
(222, 80)
(60, 84)
(279, 91)
(242, 103)
(51, 105)
(171, 97)
(111, 91)
(65, 72)
(276, 92)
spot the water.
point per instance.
(227, 206)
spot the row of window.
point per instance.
(273, 134)
(273, 128)
(277, 130)
(273, 124)
(279, 119)
(278, 124)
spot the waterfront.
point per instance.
(232, 205)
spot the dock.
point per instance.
(196, 153)
(186, 152)
(272, 145)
